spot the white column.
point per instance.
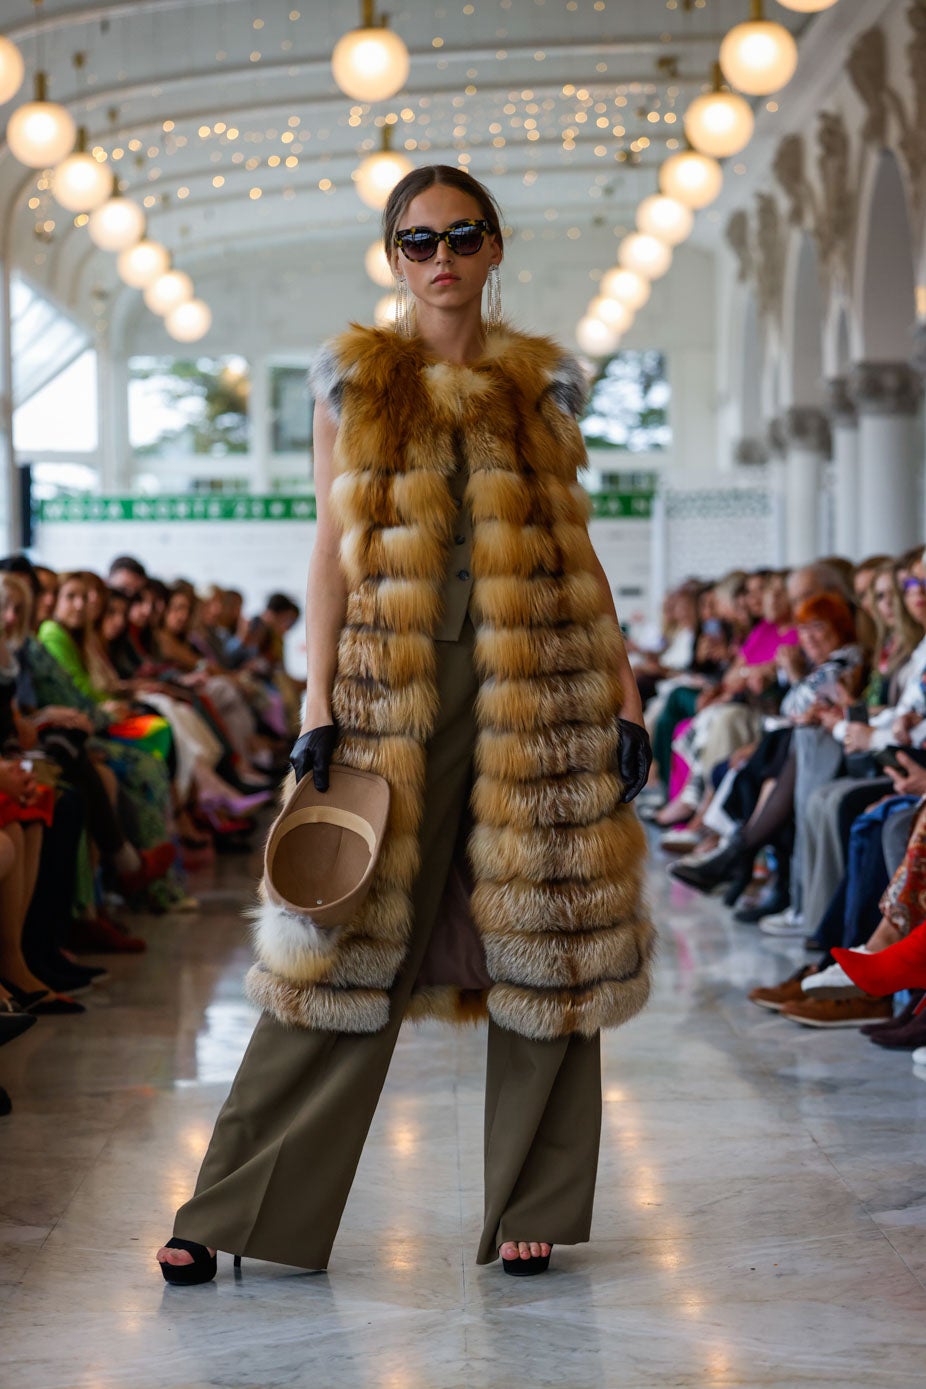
(260, 424)
(10, 530)
(116, 462)
(886, 395)
(776, 473)
(808, 440)
(844, 427)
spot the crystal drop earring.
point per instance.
(494, 298)
(402, 320)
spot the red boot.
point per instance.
(154, 864)
(901, 966)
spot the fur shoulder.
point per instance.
(558, 373)
(367, 357)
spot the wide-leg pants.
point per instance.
(286, 1145)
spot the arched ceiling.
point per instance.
(223, 118)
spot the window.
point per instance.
(61, 417)
(44, 340)
(629, 405)
(183, 407)
(291, 407)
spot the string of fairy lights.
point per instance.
(370, 64)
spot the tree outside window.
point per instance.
(188, 406)
(628, 408)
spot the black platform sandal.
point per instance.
(525, 1268)
(201, 1270)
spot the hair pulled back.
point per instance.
(431, 176)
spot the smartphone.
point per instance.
(857, 713)
(887, 757)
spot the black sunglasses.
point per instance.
(464, 238)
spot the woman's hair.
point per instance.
(906, 633)
(831, 609)
(431, 176)
(15, 586)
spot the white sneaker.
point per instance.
(786, 923)
(680, 839)
(919, 1057)
(832, 983)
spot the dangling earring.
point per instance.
(494, 298)
(402, 316)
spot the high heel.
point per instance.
(901, 966)
(526, 1268)
(234, 805)
(201, 1270)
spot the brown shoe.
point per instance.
(787, 992)
(838, 1012)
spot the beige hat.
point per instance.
(323, 846)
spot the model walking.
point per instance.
(462, 643)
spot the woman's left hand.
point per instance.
(635, 757)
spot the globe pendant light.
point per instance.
(189, 321)
(617, 316)
(595, 337)
(647, 255)
(691, 178)
(807, 6)
(758, 57)
(379, 173)
(41, 132)
(626, 286)
(118, 224)
(370, 63)
(168, 291)
(12, 70)
(377, 266)
(81, 183)
(719, 123)
(665, 218)
(143, 263)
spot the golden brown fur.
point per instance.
(557, 860)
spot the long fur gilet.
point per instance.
(557, 861)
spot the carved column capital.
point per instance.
(808, 428)
(885, 388)
(839, 403)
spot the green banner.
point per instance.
(606, 506)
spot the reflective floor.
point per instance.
(761, 1213)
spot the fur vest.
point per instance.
(556, 861)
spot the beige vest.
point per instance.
(458, 577)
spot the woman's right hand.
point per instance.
(312, 752)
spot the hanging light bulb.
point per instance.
(759, 56)
(665, 218)
(81, 183)
(12, 69)
(370, 63)
(386, 311)
(614, 314)
(647, 255)
(807, 6)
(168, 290)
(691, 178)
(189, 321)
(595, 337)
(379, 173)
(40, 133)
(626, 286)
(377, 266)
(117, 224)
(143, 263)
(719, 123)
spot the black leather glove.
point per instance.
(634, 757)
(312, 752)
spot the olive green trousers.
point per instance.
(286, 1145)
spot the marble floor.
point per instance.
(761, 1212)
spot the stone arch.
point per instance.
(885, 278)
